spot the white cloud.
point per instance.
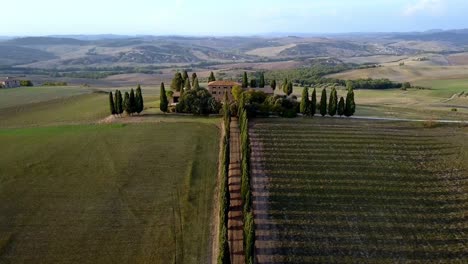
(425, 7)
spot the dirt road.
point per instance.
(235, 224)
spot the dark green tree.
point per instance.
(253, 83)
(118, 105)
(187, 85)
(126, 104)
(194, 76)
(333, 102)
(132, 101)
(139, 100)
(111, 104)
(305, 103)
(245, 81)
(313, 103)
(163, 102)
(341, 107)
(350, 107)
(261, 82)
(119, 102)
(323, 102)
(289, 88)
(196, 85)
(284, 85)
(273, 84)
(184, 75)
(212, 77)
(177, 82)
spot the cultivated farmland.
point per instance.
(348, 191)
(120, 193)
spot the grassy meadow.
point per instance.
(135, 190)
(348, 191)
(136, 193)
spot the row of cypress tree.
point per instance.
(246, 192)
(308, 107)
(131, 103)
(224, 199)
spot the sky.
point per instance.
(221, 17)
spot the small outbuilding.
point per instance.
(9, 82)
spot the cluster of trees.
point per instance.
(374, 84)
(55, 84)
(253, 82)
(131, 103)
(246, 192)
(311, 75)
(26, 83)
(182, 82)
(309, 106)
(193, 98)
(224, 196)
(287, 87)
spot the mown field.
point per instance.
(348, 191)
(119, 193)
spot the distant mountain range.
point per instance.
(136, 51)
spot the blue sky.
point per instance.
(234, 17)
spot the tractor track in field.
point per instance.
(235, 217)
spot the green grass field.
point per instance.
(348, 191)
(27, 95)
(121, 193)
(77, 109)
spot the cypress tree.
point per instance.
(196, 85)
(245, 81)
(187, 85)
(194, 76)
(139, 100)
(253, 83)
(185, 76)
(341, 107)
(289, 88)
(284, 86)
(305, 103)
(323, 102)
(111, 104)
(121, 102)
(350, 107)
(273, 84)
(261, 83)
(118, 103)
(177, 82)
(333, 103)
(212, 77)
(126, 104)
(163, 103)
(313, 103)
(132, 101)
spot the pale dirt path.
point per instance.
(235, 221)
(266, 236)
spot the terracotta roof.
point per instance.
(223, 83)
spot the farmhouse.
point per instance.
(219, 88)
(9, 82)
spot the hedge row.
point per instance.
(224, 198)
(246, 193)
